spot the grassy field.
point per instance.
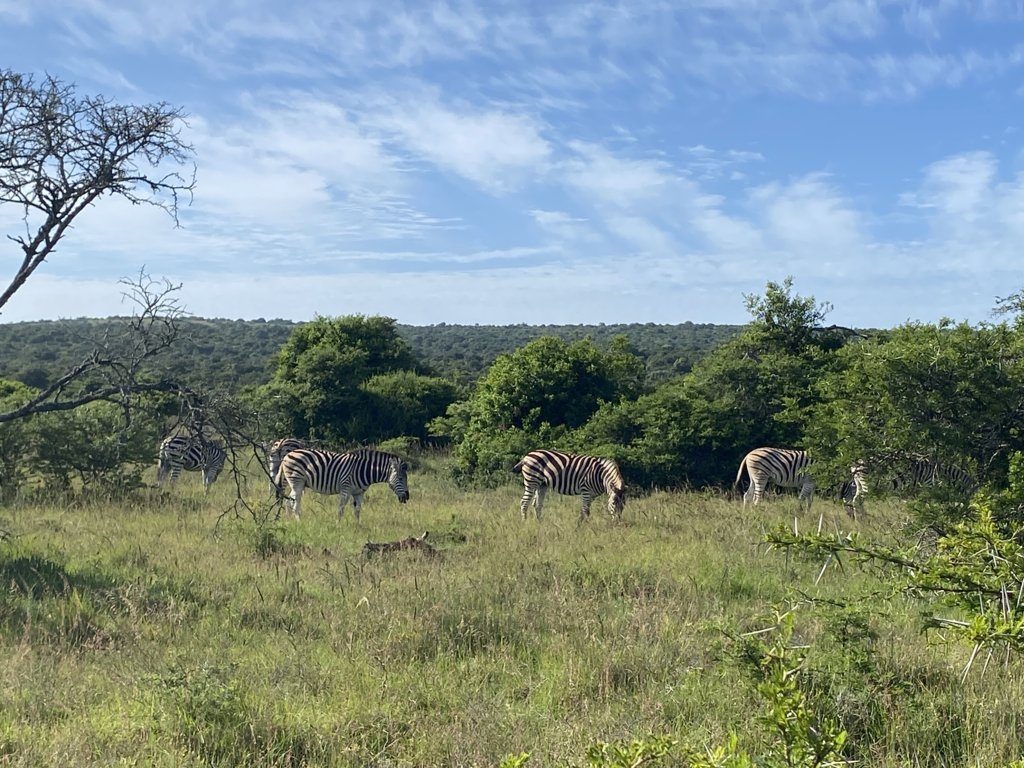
(150, 631)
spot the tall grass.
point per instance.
(154, 631)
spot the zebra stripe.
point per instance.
(191, 454)
(347, 474)
(571, 475)
(919, 470)
(785, 467)
(924, 470)
(854, 491)
(277, 451)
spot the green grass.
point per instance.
(151, 631)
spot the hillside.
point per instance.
(235, 353)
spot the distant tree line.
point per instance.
(232, 354)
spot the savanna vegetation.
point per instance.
(233, 354)
(142, 625)
(148, 626)
(147, 630)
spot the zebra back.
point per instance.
(191, 453)
(572, 474)
(352, 472)
(783, 466)
(925, 470)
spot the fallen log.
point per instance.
(413, 542)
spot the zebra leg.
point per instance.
(538, 501)
(296, 497)
(585, 512)
(807, 492)
(754, 492)
(342, 501)
(525, 503)
(357, 502)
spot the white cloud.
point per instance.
(495, 149)
(958, 186)
(808, 218)
(563, 226)
(601, 175)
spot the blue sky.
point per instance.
(503, 162)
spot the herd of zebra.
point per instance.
(790, 468)
(294, 462)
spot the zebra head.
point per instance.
(213, 458)
(617, 500)
(398, 478)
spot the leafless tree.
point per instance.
(122, 365)
(59, 153)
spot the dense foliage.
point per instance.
(218, 354)
(950, 391)
(232, 354)
(533, 397)
(93, 446)
(753, 390)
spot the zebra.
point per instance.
(924, 470)
(347, 474)
(919, 470)
(785, 467)
(190, 453)
(572, 475)
(855, 490)
(277, 451)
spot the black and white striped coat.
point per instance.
(917, 470)
(347, 474)
(572, 475)
(191, 454)
(277, 451)
(924, 470)
(855, 490)
(784, 467)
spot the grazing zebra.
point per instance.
(191, 454)
(784, 467)
(277, 451)
(855, 490)
(924, 470)
(347, 474)
(918, 470)
(572, 475)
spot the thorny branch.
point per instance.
(60, 152)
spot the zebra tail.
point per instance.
(517, 468)
(739, 474)
(276, 479)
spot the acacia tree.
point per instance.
(59, 153)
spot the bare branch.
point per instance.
(60, 152)
(121, 366)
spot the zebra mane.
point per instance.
(367, 450)
(612, 468)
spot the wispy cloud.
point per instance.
(494, 148)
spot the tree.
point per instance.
(60, 152)
(533, 397)
(121, 365)
(405, 401)
(317, 387)
(952, 392)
